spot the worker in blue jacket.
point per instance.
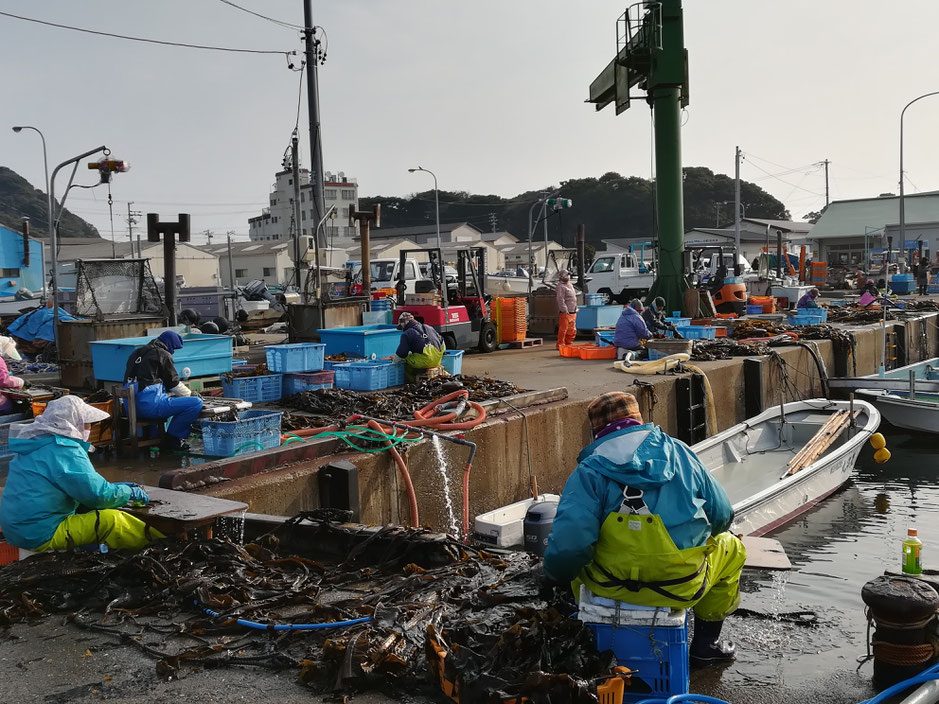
(421, 346)
(641, 520)
(630, 329)
(51, 476)
(159, 393)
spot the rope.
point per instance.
(905, 655)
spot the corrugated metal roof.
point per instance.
(790, 225)
(850, 218)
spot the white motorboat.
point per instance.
(509, 286)
(751, 460)
(918, 412)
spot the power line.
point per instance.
(289, 25)
(788, 183)
(142, 39)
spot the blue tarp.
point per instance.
(36, 324)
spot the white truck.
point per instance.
(384, 274)
(619, 276)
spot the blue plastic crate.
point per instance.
(754, 310)
(696, 332)
(383, 304)
(594, 299)
(253, 431)
(396, 373)
(659, 653)
(604, 338)
(361, 340)
(453, 362)
(329, 365)
(368, 376)
(678, 320)
(295, 358)
(256, 389)
(202, 355)
(820, 314)
(343, 375)
(805, 320)
(297, 383)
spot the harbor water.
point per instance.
(850, 538)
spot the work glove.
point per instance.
(25, 385)
(138, 497)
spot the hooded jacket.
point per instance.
(676, 486)
(153, 363)
(630, 328)
(50, 476)
(416, 337)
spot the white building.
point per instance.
(195, 265)
(274, 221)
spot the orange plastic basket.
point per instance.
(572, 351)
(596, 352)
(720, 332)
(8, 553)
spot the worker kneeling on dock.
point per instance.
(642, 521)
(51, 477)
(421, 346)
(159, 394)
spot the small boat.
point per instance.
(919, 412)
(509, 286)
(751, 460)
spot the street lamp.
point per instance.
(45, 164)
(436, 199)
(902, 204)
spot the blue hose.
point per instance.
(291, 626)
(702, 698)
(926, 675)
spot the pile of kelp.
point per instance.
(418, 594)
(755, 337)
(725, 348)
(339, 404)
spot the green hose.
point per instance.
(248, 444)
(366, 434)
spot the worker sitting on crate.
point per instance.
(159, 394)
(654, 317)
(567, 309)
(808, 300)
(7, 380)
(51, 477)
(421, 346)
(642, 521)
(630, 330)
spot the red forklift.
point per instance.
(462, 317)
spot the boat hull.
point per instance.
(918, 415)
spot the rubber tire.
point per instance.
(449, 339)
(190, 316)
(222, 323)
(608, 293)
(488, 338)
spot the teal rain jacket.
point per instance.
(676, 486)
(50, 476)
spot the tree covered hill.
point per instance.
(611, 206)
(18, 199)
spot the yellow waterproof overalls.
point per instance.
(636, 561)
(429, 358)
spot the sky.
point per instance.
(488, 94)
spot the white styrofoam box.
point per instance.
(505, 526)
(598, 609)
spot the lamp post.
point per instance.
(45, 164)
(902, 204)
(436, 199)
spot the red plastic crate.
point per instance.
(8, 553)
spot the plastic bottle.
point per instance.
(912, 553)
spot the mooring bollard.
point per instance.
(903, 611)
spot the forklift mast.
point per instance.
(471, 267)
(436, 272)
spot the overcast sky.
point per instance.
(488, 94)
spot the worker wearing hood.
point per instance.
(51, 476)
(159, 392)
(421, 346)
(7, 380)
(641, 520)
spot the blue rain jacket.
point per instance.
(630, 328)
(676, 486)
(50, 476)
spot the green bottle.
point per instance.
(912, 549)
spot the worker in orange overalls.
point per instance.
(567, 309)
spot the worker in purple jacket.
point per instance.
(630, 329)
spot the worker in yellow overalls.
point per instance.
(641, 520)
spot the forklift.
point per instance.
(462, 317)
(728, 291)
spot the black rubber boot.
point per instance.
(174, 444)
(706, 646)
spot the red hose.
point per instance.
(405, 475)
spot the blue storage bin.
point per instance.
(604, 338)
(298, 357)
(203, 355)
(253, 431)
(754, 310)
(593, 317)
(396, 373)
(368, 376)
(256, 389)
(361, 340)
(377, 317)
(659, 653)
(383, 304)
(343, 375)
(453, 362)
(678, 320)
(696, 332)
(805, 320)
(593, 299)
(330, 365)
(297, 383)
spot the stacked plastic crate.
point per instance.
(511, 318)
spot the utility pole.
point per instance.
(314, 56)
(295, 159)
(736, 208)
(208, 236)
(132, 216)
(493, 221)
(826, 181)
(231, 265)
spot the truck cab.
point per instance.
(620, 276)
(385, 274)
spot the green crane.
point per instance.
(651, 55)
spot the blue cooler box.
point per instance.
(361, 340)
(203, 355)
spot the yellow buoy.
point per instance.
(882, 455)
(878, 442)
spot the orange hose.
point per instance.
(405, 475)
(310, 432)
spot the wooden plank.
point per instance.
(765, 554)
(177, 512)
(525, 344)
